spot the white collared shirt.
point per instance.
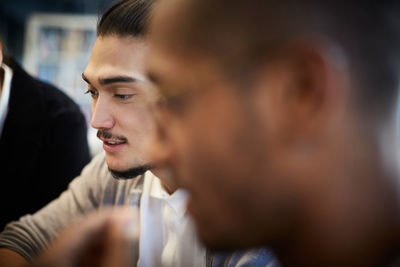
(168, 236)
(5, 94)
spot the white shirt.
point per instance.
(167, 233)
(5, 94)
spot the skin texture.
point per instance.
(280, 158)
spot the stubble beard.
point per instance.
(129, 173)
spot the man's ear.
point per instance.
(295, 92)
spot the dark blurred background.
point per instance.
(14, 14)
(52, 40)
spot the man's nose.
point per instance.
(102, 117)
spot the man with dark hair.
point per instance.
(279, 118)
(43, 141)
(121, 94)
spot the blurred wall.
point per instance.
(14, 13)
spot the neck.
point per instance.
(353, 220)
(165, 178)
(365, 233)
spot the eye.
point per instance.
(93, 93)
(124, 96)
(176, 103)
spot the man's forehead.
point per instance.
(170, 51)
(166, 12)
(109, 41)
(173, 64)
(114, 56)
(167, 22)
(117, 51)
(166, 68)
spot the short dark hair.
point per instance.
(125, 18)
(243, 33)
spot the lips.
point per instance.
(113, 145)
(114, 142)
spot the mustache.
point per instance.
(106, 134)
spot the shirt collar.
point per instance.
(177, 200)
(5, 94)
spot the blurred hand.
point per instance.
(103, 238)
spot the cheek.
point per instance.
(93, 106)
(217, 195)
(206, 139)
(135, 120)
(211, 166)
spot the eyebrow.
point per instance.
(110, 80)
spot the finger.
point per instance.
(86, 241)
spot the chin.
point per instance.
(222, 236)
(215, 241)
(116, 163)
(224, 241)
(213, 236)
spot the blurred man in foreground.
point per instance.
(279, 117)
